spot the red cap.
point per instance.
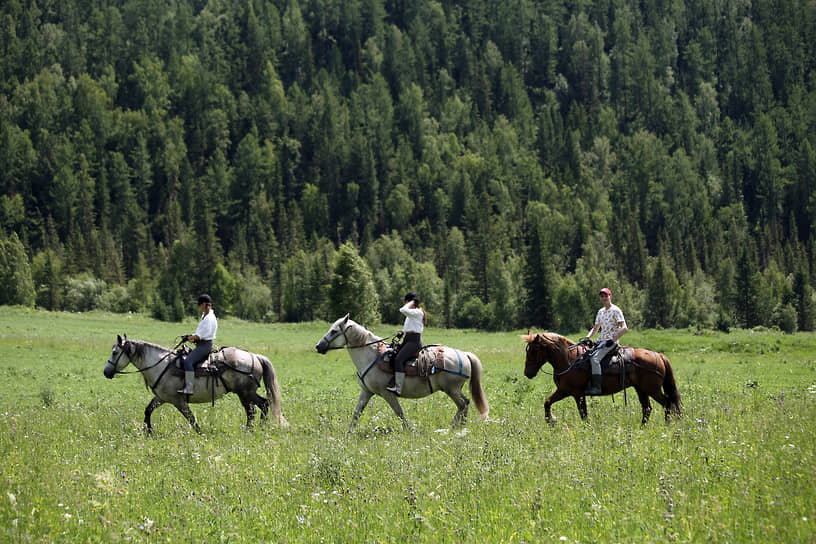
(605, 290)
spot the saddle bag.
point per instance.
(428, 360)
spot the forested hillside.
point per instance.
(504, 158)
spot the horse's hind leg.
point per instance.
(462, 407)
(249, 408)
(263, 404)
(152, 405)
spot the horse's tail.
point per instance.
(673, 403)
(272, 390)
(476, 390)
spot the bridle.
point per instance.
(122, 351)
(539, 353)
(345, 337)
(538, 361)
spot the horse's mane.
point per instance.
(364, 331)
(551, 340)
(140, 346)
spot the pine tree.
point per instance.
(15, 273)
(352, 287)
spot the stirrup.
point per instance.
(394, 390)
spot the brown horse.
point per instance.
(651, 376)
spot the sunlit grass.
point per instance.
(77, 467)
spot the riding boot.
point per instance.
(189, 378)
(595, 388)
(399, 381)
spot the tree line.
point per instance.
(504, 158)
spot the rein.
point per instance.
(554, 373)
(140, 370)
(347, 346)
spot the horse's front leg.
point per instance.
(152, 405)
(645, 405)
(393, 402)
(580, 402)
(184, 408)
(552, 399)
(362, 402)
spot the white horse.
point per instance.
(238, 371)
(365, 349)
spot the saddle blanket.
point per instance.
(428, 360)
(614, 364)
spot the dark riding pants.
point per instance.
(410, 345)
(199, 354)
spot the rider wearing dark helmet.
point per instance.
(203, 338)
(415, 321)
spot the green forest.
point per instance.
(300, 159)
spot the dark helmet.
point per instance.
(204, 299)
(410, 295)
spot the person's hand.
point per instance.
(586, 340)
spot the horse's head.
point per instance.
(541, 348)
(335, 338)
(120, 355)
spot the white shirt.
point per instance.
(413, 318)
(207, 326)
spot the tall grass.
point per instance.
(76, 466)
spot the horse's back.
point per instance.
(237, 357)
(456, 361)
(649, 357)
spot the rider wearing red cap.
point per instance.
(611, 324)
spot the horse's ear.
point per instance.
(119, 339)
(345, 319)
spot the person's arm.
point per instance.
(410, 310)
(622, 328)
(593, 331)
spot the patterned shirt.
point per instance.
(609, 319)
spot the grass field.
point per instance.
(76, 466)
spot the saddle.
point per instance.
(213, 366)
(428, 360)
(616, 362)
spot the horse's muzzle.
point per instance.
(110, 370)
(321, 347)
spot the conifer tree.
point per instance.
(352, 288)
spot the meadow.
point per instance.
(77, 466)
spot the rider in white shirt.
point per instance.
(415, 321)
(203, 338)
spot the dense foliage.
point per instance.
(504, 158)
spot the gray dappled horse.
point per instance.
(365, 349)
(239, 372)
